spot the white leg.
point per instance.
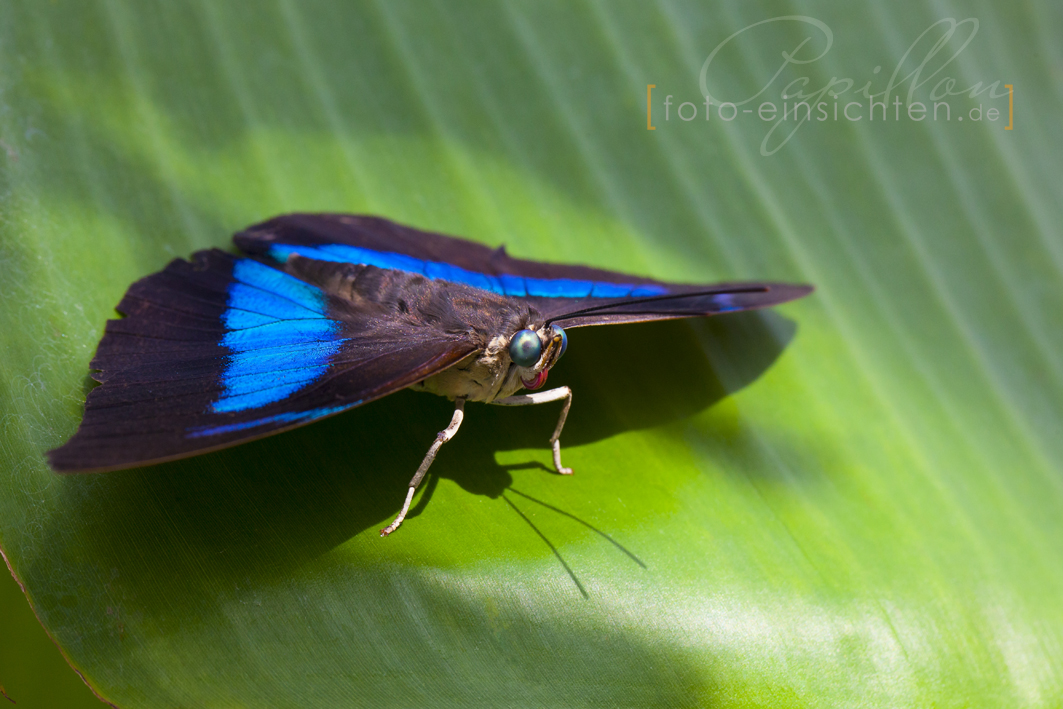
(441, 438)
(542, 397)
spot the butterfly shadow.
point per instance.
(623, 379)
(266, 507)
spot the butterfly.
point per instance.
(325, 312)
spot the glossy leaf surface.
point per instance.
(855, 500)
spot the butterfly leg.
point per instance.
(441, 438)
(542, 397)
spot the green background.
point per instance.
(854, 500)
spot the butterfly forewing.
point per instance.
(570, 295)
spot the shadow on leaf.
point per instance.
(265, 507)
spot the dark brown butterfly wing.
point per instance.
(221, 350)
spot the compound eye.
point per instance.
(564, 340)
(525, 348)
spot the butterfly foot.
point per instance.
(402, 515)
(556, 445)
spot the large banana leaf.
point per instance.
(855, 500)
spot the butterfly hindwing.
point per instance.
(570, 295)
(220, 350)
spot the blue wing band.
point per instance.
(279, 338)
(509, 285)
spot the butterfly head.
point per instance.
(536, 351)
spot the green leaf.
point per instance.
(853, 500)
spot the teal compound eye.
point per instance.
(525, 347)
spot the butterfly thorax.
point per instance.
(482, 376)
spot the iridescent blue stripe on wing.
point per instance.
(517, 286)
(558, 287)
(288, 417)
(447, 272)
(234, 319)
(278, 335)
(280, 358)
(611, 290)
(513, 285)
(261, 302)
(253, 391)
(726, 302)
(278, 283)
(282, 332)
